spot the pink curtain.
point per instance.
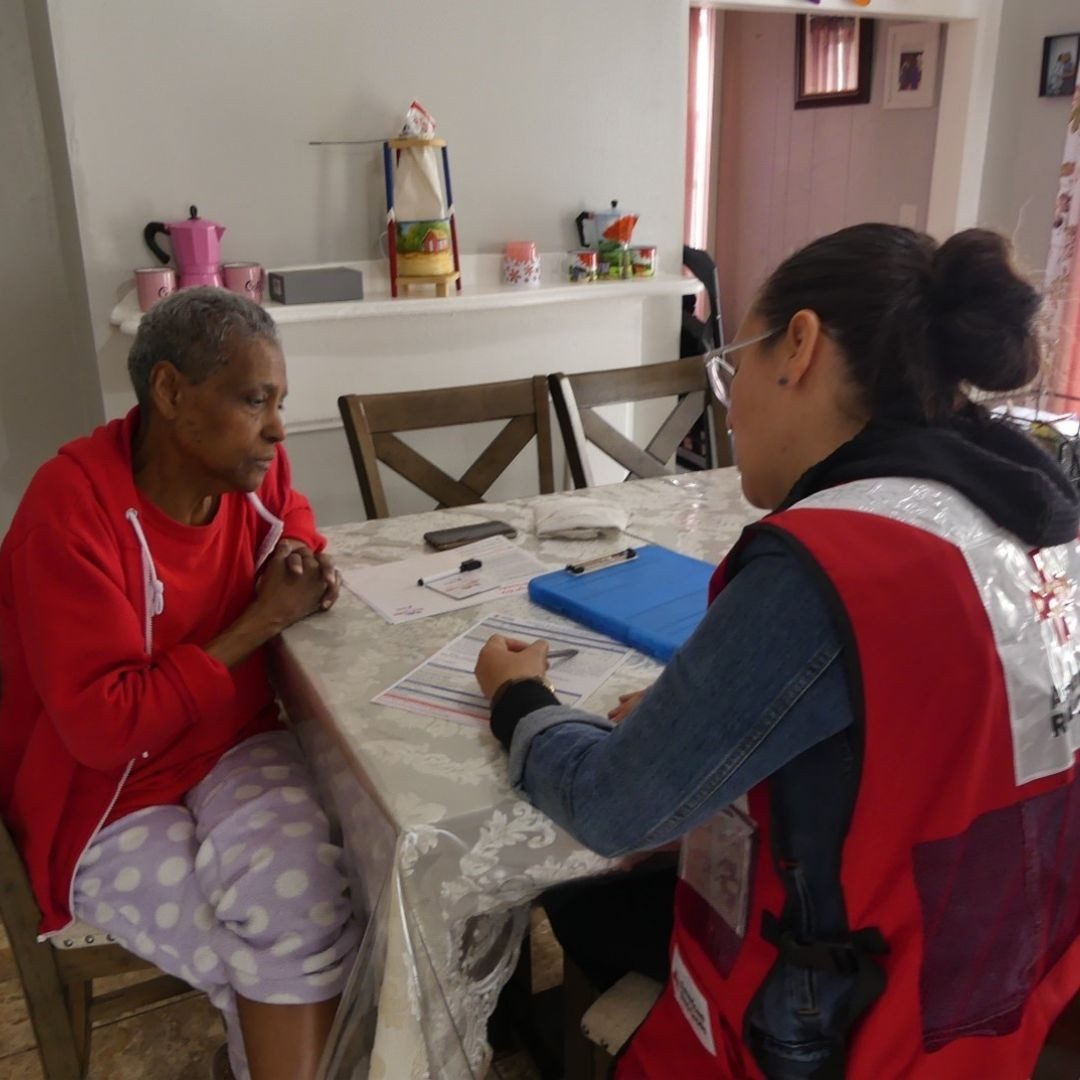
(832, 54)
(1061, 309)
(699, 125)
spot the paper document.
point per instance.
(392, 589)
(444, 684)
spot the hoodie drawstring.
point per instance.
(153, 586)
(277, 527)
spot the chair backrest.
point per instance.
(371, 421)
(702, 265)
(576, 397)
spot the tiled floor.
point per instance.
(173, 1041)
(176, 1041)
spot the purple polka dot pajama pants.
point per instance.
(237, 891)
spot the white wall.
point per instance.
(1027, 133)
(788, 176)
(548, 108)
(48, 385)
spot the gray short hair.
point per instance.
(192, 329)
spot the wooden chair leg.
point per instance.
(49, 1010)
(79, 995)
(579, 1054)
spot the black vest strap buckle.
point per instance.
(843, 956)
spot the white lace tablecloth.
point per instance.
(443, 856)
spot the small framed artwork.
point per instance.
(833, 60)
(911, 65)
(1060, 54)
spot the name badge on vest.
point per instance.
(717, 862)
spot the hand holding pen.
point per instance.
(562, 654)
(504, 658)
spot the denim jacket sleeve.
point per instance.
(760, 681)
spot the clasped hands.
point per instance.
(300, 560)
(295, 582)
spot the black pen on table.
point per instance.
(561, 654)
(464, 568)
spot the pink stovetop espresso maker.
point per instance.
(196, 248)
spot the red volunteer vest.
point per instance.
(964, 845)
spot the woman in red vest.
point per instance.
(868, 747)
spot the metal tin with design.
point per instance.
(643, 260)
(581, 265)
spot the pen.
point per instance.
(602, 562)
(464, 568)
(558, 654)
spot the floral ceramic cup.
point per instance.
(521, 264)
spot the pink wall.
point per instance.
(786, 177)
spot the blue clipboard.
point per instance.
(653, 601)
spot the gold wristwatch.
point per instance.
(543, 680)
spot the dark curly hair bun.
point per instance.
(915, 320)
(983, 312)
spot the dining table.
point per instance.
(443, 856)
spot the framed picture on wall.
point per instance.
(1060, 55)
(911, 65)
(833, 60)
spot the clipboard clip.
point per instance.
(602, 563)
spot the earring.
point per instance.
(782, 380)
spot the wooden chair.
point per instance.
(577, 396)
(58, 980)
(372, 419)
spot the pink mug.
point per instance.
(154, 283)
(245, 278)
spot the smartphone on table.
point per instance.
(444, 539)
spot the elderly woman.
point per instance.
(144, 769)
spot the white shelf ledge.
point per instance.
(482, 290)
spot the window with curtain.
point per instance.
(699, 125)
(833, 55)
(831, 62)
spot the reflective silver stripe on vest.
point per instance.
(1029, 597)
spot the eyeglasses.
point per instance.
(721, 372)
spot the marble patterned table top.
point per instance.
(351, 654)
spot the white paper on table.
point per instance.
(444, 684)
(391, 589)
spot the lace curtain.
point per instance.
(699, 125)
(1061, 311)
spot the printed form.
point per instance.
(392, 589)
(444, 684)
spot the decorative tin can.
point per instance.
(581, 265)
(643, 261)
(521, 264)
(613, 261)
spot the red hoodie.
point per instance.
(101, 712)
